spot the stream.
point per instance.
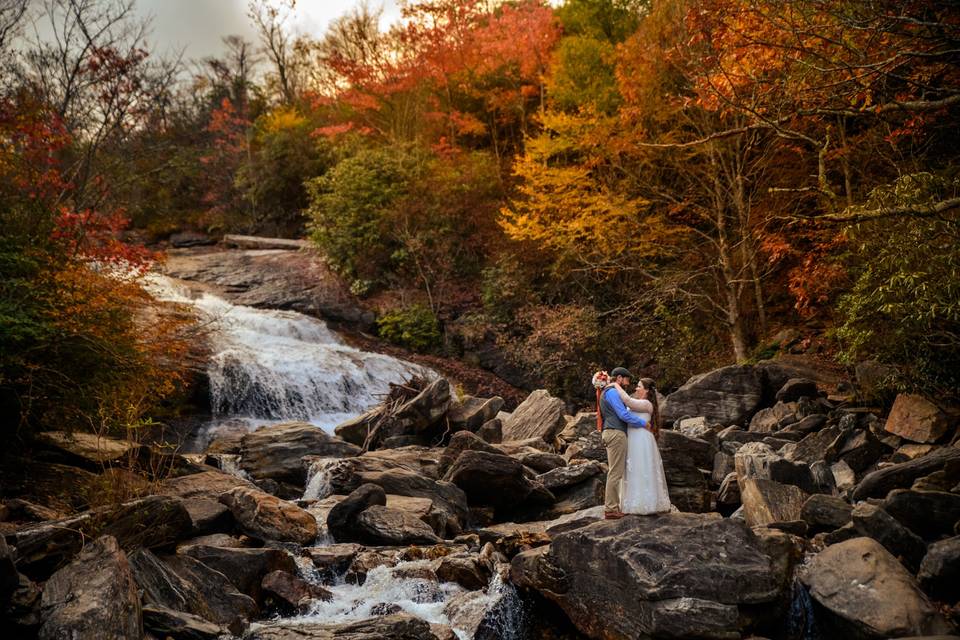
(268, 366)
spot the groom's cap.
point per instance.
(620, 371)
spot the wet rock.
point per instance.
(495, 480)
(154, 521)
(471, 413)
(179, 625)
(381, 525)
(878, 483)
(275, 451)
(400, 626)
(730, 395)
(491, 431)
(465, 570)
(574, 474)
(342, 518)
(244, 568)
(929, 514)
(671, 575)
(460, 442)
(333, 560)
(940, 570)
(796, 388)
(767, 501)
(92, 597)
(825, 513)
(865, 589)
(916, 419)
(578, 426)
(539, 416)
(285, 591)
(767, 420)
(873, 522)
(184, 584)
(267, 517)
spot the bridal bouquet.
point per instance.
(601, 379)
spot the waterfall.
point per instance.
(320, 478)
(270, 365)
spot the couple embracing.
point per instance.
(630, 425)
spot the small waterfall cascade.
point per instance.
(320, 478)
(230, 463)
(272, 365)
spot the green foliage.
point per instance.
(582, 75)
(904, 306)
(350, 211)
(415, 327)
(283, 155)
(610, 20)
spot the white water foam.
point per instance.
(270, 365)
(320, 478)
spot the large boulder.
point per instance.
(578, 426)
(929, 514)
(825, 513)
(687, 485)
(872, 521)
(730, 395)
(184, 584)
(539, 416)
(275, 452)
(286, 592)
(381, 525)
(93, 597)
(699, 451)
(770, 419)
(757, 460)
(88, 450)
(460, 442)
(495, 480)
(796, 388)
(244, 568)
(208, 484)
(865, 590)
(179, 625)
(916, 419)
(568, 476)
(766, 501)
(877, 484)
(940, 570)
(341, 518)
(154, 521)
(267, 517)
(671, 575)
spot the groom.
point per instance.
(616, 417)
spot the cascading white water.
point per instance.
(319, 478)
(271, 365)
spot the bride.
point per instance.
(645, 485)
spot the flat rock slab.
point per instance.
(87, 446)
(862, 584)
(766, 501)
(258, 242)
(916, 419)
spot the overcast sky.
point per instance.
(198, 25)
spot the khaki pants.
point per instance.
(616, 444)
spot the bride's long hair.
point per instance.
(651, 386)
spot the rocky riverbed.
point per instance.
(801, 515)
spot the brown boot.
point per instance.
(612, 515)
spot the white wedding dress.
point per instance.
(644, 489)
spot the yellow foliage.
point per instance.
(283, 119)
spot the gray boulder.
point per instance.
(940, 570)
(865, 590)
(539, 416)
(671, 575)
(730, 395)
(471, 413)
(877, 484)
(873, 522)
(275, 451)
(381, 525)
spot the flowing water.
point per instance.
(270, 365)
